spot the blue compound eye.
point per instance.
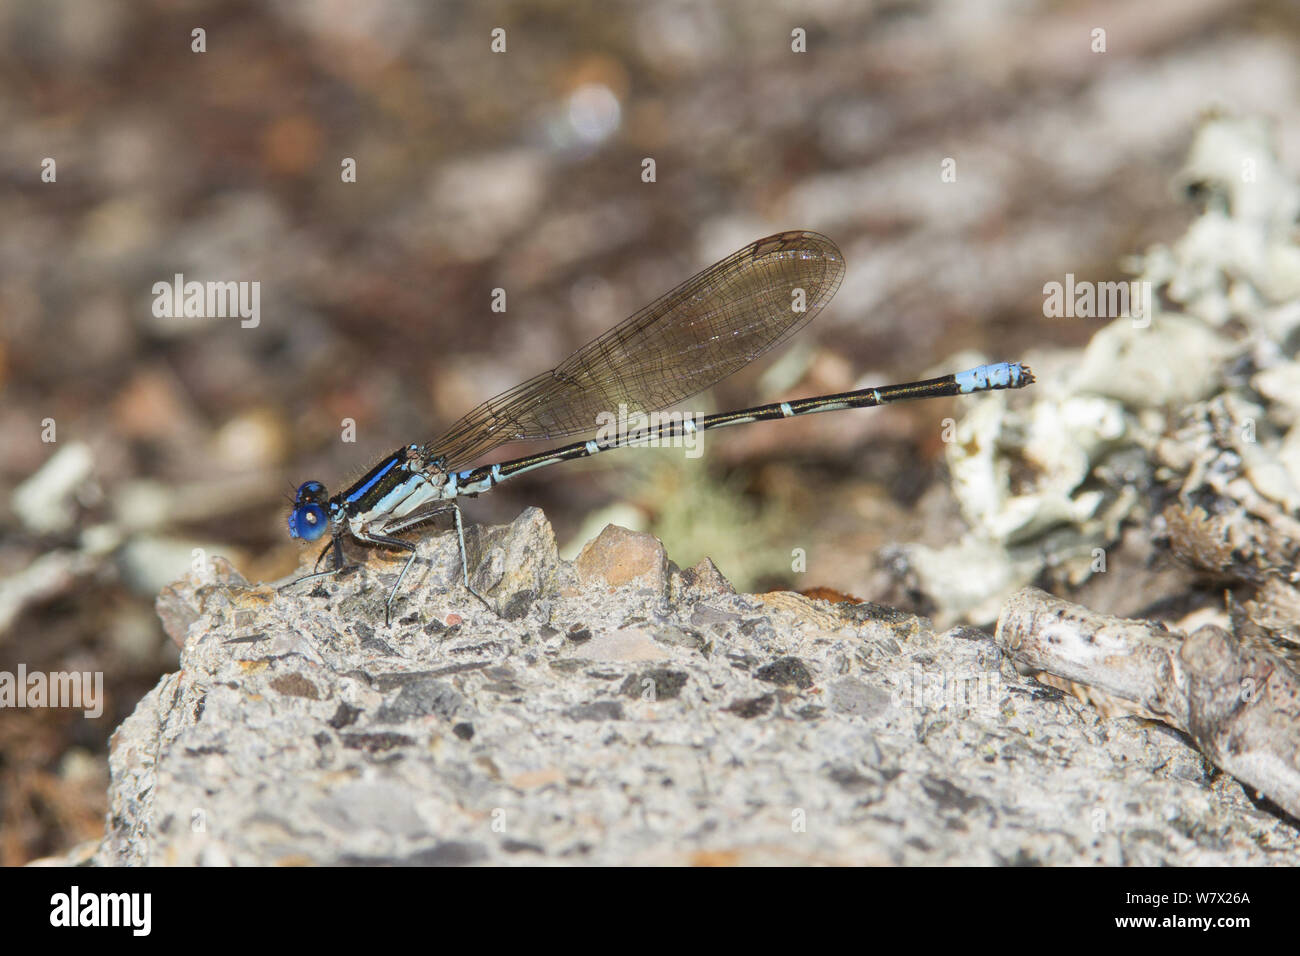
(308, 520)
(310, 491)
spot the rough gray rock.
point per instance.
(1238, 700)
(663, 720)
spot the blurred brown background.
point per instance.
(522, 170)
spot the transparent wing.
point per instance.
(710, 326)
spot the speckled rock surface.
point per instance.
(662, 720)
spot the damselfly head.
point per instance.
(308, 519)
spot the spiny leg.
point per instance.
(411, 521)
(400, 545)
(337, 548)
(464, 555)
(338, 565)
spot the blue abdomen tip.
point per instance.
(986, 377)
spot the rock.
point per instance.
(623, 645)
(620, 558)
(602, 723)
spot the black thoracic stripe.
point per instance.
(377, 482)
